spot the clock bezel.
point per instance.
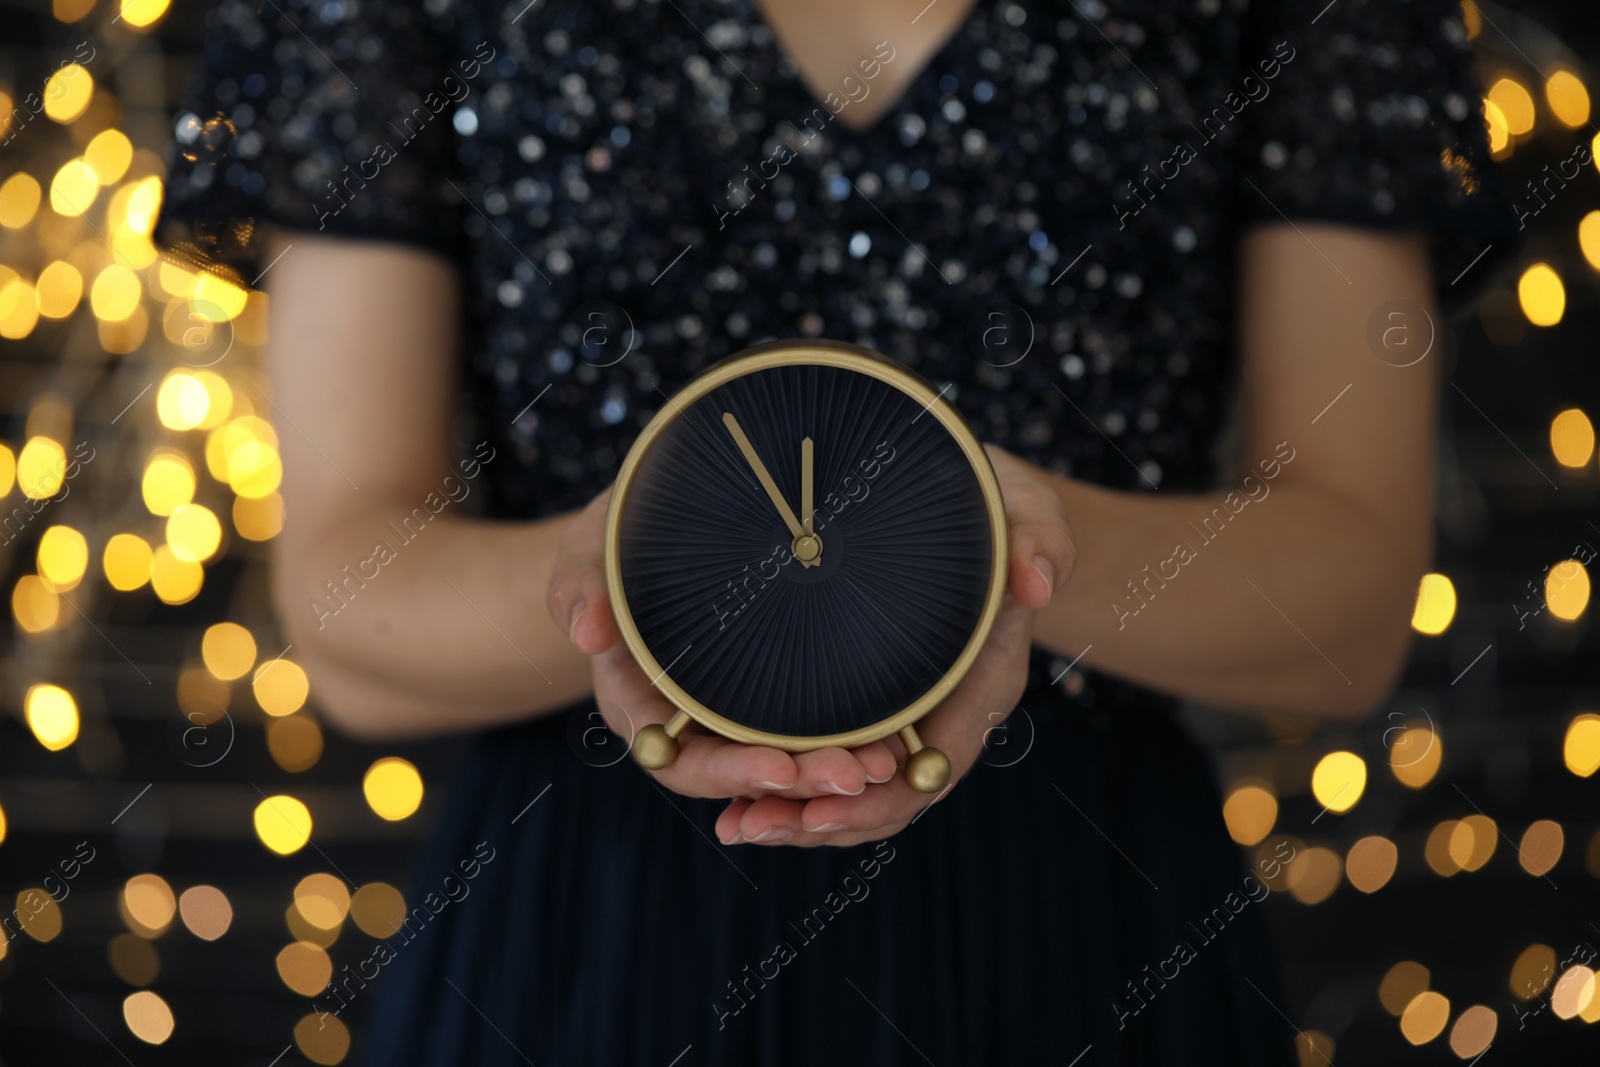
(767, 356)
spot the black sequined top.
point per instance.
(1045, 224)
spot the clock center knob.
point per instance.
(807, 548)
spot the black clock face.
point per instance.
(821, 631)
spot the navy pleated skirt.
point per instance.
(1076, 894)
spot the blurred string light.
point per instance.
(1572, 437)
(148, 905)
(143, 14)
(176, 581)
(1338, 780)
(1250, 812)
(20, 195)
(1588, 231)
(305, 967)
(194, 532)
(322, 900)
(148, 1017)
(67, 93)
(127, 562)
(1457, 845)
(1573, 991)
(1581, 750)
(52, 715)
(378, 909)
(168, 482)
(1541, 294)
(134, 959)
(393, 788)
(1568, 99)
(1415, 755)
(228, 650)
(1401, 984)
(35, 604)
(1371, 863)
(1425, 1017)
(63, 556)
(1566, 589)
(281, 687)
(206, 911)
(1436, 605)
(295, 743)
(1474, 1031)
(41, 468)
(1533, 971)
(283, 824)
(322, 1038)
(1540, 848)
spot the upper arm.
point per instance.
(361, 362)
(1340, 346)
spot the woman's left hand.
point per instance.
(1042, 558)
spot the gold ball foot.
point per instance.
(654, 748)
(928, 770)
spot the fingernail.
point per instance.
(773, 835)
(879, 781)
(1048, 573)
(735, 839)
(577, 613)
(833, 787)
(826, 828)
(774, 786)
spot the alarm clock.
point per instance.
(806, 547)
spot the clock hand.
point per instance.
(807, 511)
(807, 547)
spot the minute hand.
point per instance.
(760, 469)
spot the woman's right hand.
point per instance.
(707, 765)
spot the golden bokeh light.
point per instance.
(67, 93)
(127, 561)
(8, 470)
(1474, 1031)
(1499, 135)
(41, 468)
(283, 824)
(228, 650)
(323, 900)
(1541, 294)
(141, 14)
(1401, 984)
(1589, 236)
(176, 581)
(1566, 589)
(206, 911)
(74, 188)
(281, 687)
(19, 200)
(1339, 780)
(1473, 841)
(109, 153)
(35, 604)
(1568, 99)
(168, 483)
(1581, 749)
(148, 905)
(258, 518)
(1313, 1048)
(216, 300)
(1533, 971)
(254, 469)
(305, 968)
(301, 930)
(1515, 104)
(1573, 991)
(194, 532)
(2, 825)
(378, 909)
(322, 1038)
(148, 1017)
(219, 396)
(202, 696)
(63, 556)
(116, 293)
(1314, 874)
(1436, 605)
(1540, 848)
(1371, 863)
(19, 312)
(1425, 1017)
(295, 743)
(52, 715)
(393, 788)
(1415, 755)
(134, 959)
(1250, 812)
(121, 338)
(182, 402)
(38, 913)
(221, 442)
(58, 290)
(1572, 438)
(1437, 850)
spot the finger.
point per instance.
(880, 806)
(772, 821)
(1042, 551)
(727, 828)
(877, 760)
(830, 771)
(577, 599)
(710, 766)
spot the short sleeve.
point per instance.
(328, 116)
(1372, 119)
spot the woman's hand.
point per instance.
(1042, 558)
(707, 765)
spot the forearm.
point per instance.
(409, 628)
(1300, 601)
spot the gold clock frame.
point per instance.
(656, 746)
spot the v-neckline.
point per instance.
(757, 16)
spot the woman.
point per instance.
(1162, 208)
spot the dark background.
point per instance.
(1498, 697)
